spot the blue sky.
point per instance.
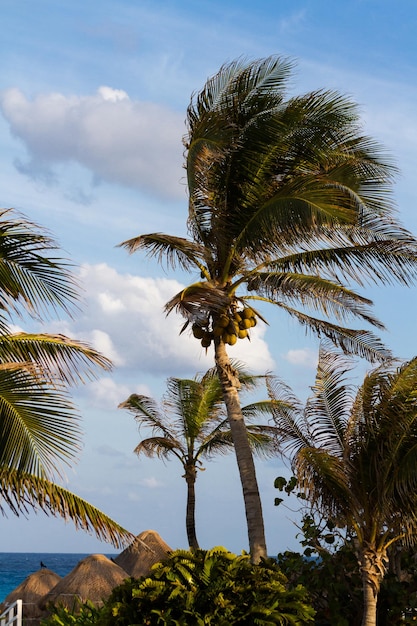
(92, 107)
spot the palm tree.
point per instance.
(288, 203)
(191, 425)
(355, 459)
(39, 426)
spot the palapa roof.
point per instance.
(145, 550)
(93, 579)
(31, 590)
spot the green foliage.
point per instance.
(209, 587)
(328, 568)
(39, 425)
(191, 424)
(289, 203)
(335, 587)
(333, 583)
(86, 615)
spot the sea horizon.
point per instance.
(15, 566)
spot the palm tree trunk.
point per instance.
(244, 457)
(372, 563)
(369, 603)
(190, 477)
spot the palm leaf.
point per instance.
(356, 342)
(39, 427)
(162, 447)
(315, 292)
(197, 300)
(29, 273)
(21, 491)
(328, 408)
(380, 260)
(146, 412)
(185, 400)
(54, 356)
(292, 429)
(325, 481)
(173, 249)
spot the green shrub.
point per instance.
(208, 587)
(84, 615)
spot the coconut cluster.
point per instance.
(230, 326)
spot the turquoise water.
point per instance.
(16, 566)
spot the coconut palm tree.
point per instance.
(288, 203)
(192, 425)
(355, 458)
(39, 426)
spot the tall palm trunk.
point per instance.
(190, 477)
(373, 566)
(369, 602)
(244, 457)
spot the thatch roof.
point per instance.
(146, 549)
(93, 579)
(31, 590)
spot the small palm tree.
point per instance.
(355, 458)
(39, 426)
(288, 203)
(192, 425)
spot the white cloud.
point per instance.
(132, 143)
(151, 482)
(102, 342)
(113, 95)
(108, 393)
(139, 337)
(304, 357)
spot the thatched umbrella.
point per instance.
(145, 550)
(93, 579)
(30, 591)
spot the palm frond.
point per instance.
(292, 428)
(247, 380)
(327, 410)
(197, 300)
(316, 293)
(30, 275)
(263, 440)
(147, 412)
(175, 250)
(195, 404)
(39, 426)
(55, 357)
(162, 447)
(217, 441)
(21, 492)
(324, 480)
(356, 342)
(355, 254)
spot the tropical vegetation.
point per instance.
(289, 203)
(208, 587)
(354, 456)
(191, 425)
(335, 589)
(39, 425)
(327, 566)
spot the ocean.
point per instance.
(16, 566)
